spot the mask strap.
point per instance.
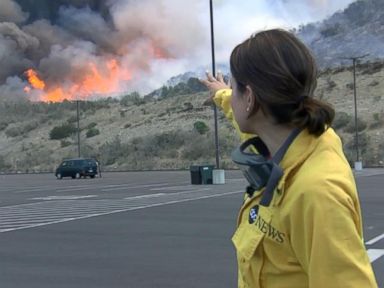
(277, 172)
(283, 149)
(260, 146)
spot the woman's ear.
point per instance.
(251, 103)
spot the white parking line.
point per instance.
(169, 188)
(132, 187)
(375, 254)
(75, 189)
(145, 196)
(48, 188)
(68, 197)
(374, 240)
(124, 205)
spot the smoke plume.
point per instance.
(88, 48)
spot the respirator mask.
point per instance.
(261, 170)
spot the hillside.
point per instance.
(175, 131)
(358, 30)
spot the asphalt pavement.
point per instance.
(137, 229)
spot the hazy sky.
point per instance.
(236, 20)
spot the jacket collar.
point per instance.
(300, 149)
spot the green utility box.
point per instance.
(206, 174)
(201, 174)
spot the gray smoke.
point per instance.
(153, 39)
(11, 12)
(59, 39)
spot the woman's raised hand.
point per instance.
(214, 84)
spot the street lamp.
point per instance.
(78, 128)
(214, 74)
(358, 164)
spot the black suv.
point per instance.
(77, 168)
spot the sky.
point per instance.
(234, 22)
(51, 50)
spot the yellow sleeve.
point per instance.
(222, 100)
(326, 237)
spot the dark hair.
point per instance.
(282, 74)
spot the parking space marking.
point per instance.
(66, 188)
(75, 189)
(46, 188)
(145, 196)
(183, 187)
(375, 254)
(19, 216)
(62, 197)
(374, 240)
(133, 187)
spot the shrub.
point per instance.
(341, 120)
(3, 164)
(111, 151)
(30, 126)
(378, 121)
(202, 147)
(88, 151)
(91, 125)
(365, 148)
(361, 125)
(188, 106)
(65, 143)
(132, 99)
(13, 131)
(364, 141)
(376, 125)
(374, 83)
(330, 84)
(92, 132)
(201, 127)
(349, 86)
(63, 131)
(72, 119)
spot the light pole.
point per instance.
(358, 165)
(214, 74)
(78, 129)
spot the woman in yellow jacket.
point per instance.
(301, 225)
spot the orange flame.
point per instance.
(34, 79)
(98, 80)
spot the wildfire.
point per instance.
(99, 79)
(34, 79)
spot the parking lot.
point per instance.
(137, 229)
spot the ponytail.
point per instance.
(314, 115)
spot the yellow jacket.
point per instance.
(311, 234)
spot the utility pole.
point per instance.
(78, 129)
(214, 74)
(354, 61)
